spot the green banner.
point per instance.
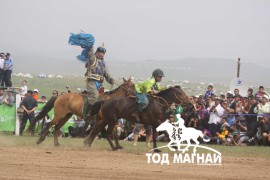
(8, 116)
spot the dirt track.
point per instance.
(75, 163)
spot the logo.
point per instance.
(178, 134)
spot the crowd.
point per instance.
(229, 119)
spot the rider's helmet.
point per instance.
(158, 72)
(101, 48)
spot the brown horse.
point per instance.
(108, 112)
(72, 103)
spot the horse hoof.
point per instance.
(119, 147)
(39, 141)
(157, 151)
(57, 145)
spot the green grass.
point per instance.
(102, 144)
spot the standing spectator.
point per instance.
(42, 100)
(29, 104)
(236, 93)
(8, 67)
(55, 93)
(252, 118)
(231, 109)
(209, 92)
(10, 99)
(249, 92)
(263, 107)
(2, 59)
(35, 94)
(265, 127)
(216, 112)
(23, 89)
(259, 94)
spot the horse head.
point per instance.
(165, 126)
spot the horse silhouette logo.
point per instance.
(179, 133)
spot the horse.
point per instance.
(108, 112)
(179, 133)
(72, 103)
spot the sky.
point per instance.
(138, 30)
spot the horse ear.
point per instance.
(124, 79)
(129, 79)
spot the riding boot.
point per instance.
(148, 139)
(86, 110)
(136, 116)
(135, 141)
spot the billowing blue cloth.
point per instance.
(86, 41)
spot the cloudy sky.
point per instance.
(138, 30)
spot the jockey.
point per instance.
(149, 86)
(95, 75)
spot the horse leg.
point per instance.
(45, 131)
(155, 140)
(100, 124)
(117, 145)
(57, 128)
(109, 135)
(188, 145)
(195, 147)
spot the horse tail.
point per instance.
(205, 140)
(95, 108)
(48, 106)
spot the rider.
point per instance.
(95, 75)
(149, 86)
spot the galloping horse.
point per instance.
(108, 112)
(72, 103)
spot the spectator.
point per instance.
(265, 128)
(2, 59)
(23, 90)
(231, 109)
(263, 107)
(8, 67)
(241, 127)
(29, 104)
(259, 94)
(252, 118)
(10, 99)
(55, 93)
(250, 92)
(236, 93)
(216, 112)
(77, 131)
(119, 127)
(222, 136)
(42, 100)
(35, 94)
(2, 96)
(209, 92)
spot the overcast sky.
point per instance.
(139, 29)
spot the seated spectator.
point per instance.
(77, 131)
(10, 99)
(241, 127)
(119, 127)
(222, 136)
(35, 94)
(264, 124)
(2, 96)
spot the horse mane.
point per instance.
(112, 91)
(164, 92)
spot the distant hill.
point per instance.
(191, 69)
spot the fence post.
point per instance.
(17, 118)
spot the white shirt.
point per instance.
(215, 117)
(2, 63)
(23, 90)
